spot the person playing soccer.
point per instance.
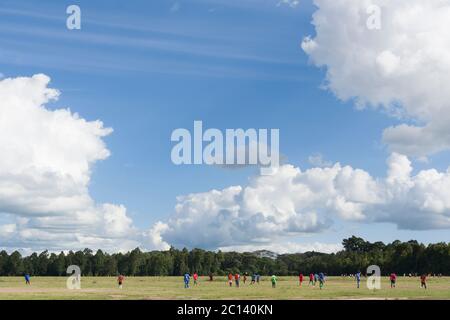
(258, 277)
(274, 281)
(423, 281)
(321, 280)
(300, 279)
(195, 276)
(230, 279)
(316, 278)
(187, 278)
(237, 278)
(393, 278)
(311, 279)
(120, 280)
(27, 279)
(244, 279)
(253, 278)
(358, 278)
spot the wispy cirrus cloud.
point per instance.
(289, 3)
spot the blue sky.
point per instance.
(148, 67)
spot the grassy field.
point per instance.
(172, 288)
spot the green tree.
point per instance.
(14, 264)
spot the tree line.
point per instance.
(357, 254)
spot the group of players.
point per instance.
(393, 280)
(313, 279)
(255, 278)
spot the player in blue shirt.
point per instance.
(27, 279)
(358, 279)
(187, 278)
(321, 280)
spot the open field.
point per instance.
(172, 288)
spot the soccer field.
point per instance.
(173, 288)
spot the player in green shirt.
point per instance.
(274, 281)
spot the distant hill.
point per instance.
(265, 254)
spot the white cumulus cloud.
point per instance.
(403, 67)
(292, 203)
(318, 160)
(45, 169)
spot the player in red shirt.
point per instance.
(393, 278)
(230, 279)
(237, 278)
(300, 279)
(311, 279)
(195, 276)
(120, 280)
(423, 281)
